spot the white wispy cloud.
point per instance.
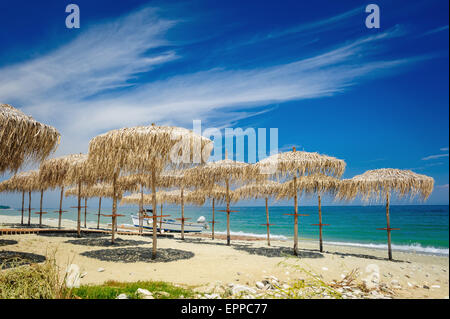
(90, 85)
(434, 157)
(444, 149)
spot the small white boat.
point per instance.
(171, 225)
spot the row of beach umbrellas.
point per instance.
(154, 157)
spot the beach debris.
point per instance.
(73, 276)
(144, 293)
(122, 296)
(436, 286)
(162, 293)
(84, 274)
(260, 285)
(395, 284)
(324, 268)
(101, 269)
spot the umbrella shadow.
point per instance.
(5, 242)
(11, 259)
(278, 252)
(73, 234)
(106, 242)
(364, 256)
(138, 254)
(204, 242)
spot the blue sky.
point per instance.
(373, 97)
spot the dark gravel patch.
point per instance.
(10, 259)
(277, 252)
(4, 242)
(106, 242)
(136, 254)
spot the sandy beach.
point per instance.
(199, 261)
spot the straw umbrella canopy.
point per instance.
(381, 184)
(264, 190)
(299, 163)
(15, 184)
(145, 149)
(311, 184)
(28, 182)
(53, 173)
(225, 171)
(217, 194)
(99, 190)
(23, 139)
(78, 173)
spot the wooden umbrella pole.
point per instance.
(267, 220)
(23, 201)
(228, 213)
(320, 225)
(295, 218)
(85, 211)
(79, 210)
(161, 220)
(99, 210)
(60, 207)
(388, 227)
(213, 220)
(182, 213)
(40, 208)
(155, 225)
(141, 210)
(29, 208)
(114, 208)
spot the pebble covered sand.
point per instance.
(246, 269)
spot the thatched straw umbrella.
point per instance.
(53, 172)
(264, 190)
(298, 163)
(23, 139)
(145, 149)
(380, 184)
(311, 184)
(78, 173)
(99, 190)
(28, 182)
(9, 186)
(225, 171)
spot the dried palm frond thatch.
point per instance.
(224, 171)
(23, 139)
(23, 182)
(381, 183)
(310, 184)
(146, 149)
(53, 173)
(376, 184)
(299, 163)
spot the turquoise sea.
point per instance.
(423, 228)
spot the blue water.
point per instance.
(423, 228)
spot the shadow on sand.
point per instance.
(10, 259)
(106, 242)
(278, 252)
(138, 254)
(5, 242)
